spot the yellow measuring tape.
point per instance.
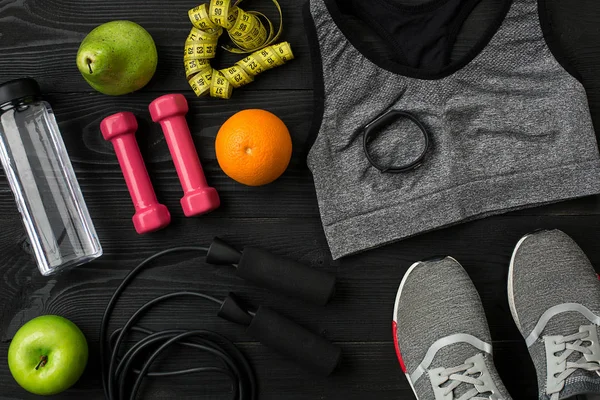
(248, 34)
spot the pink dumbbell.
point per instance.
(170, 111)
(150, 215)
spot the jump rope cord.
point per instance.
(114, 378)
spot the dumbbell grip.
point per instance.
(185, 158)
(291, 340)
(134, 171)
(286, 276)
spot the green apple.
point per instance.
(47, 355)
(117, 58)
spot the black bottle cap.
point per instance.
(19, 89)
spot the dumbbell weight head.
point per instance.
(123, 123)
(168, 106)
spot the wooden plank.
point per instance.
(100, 176)
(40, 39)
(54, 30)
(368, 371)
(293, 195)
(367, 283)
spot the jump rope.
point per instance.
(280, 334)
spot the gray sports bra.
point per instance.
(510, 128)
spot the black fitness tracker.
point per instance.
(373, 128)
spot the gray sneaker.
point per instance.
(441, 335)
(554, 297)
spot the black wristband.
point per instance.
(375, 126)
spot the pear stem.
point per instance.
(89, 63)
(42, 363)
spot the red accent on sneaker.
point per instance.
(395, 331)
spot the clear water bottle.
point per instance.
(42, 179)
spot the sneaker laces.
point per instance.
(572, 345)
(456, 379)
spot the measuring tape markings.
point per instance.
(194, 66)
(248, 34)
(201, 82)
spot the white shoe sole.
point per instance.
(510, 288)
(395, 324)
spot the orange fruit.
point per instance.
(254, 147)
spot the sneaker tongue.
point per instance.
(453, 356)
(565, 324)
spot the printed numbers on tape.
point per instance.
(248, 34)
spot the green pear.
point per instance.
(117, 58)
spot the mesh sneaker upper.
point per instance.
(548, 269)
(438, 300)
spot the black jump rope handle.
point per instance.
(285, 337)
(276, 273)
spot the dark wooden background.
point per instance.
(40, 38)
